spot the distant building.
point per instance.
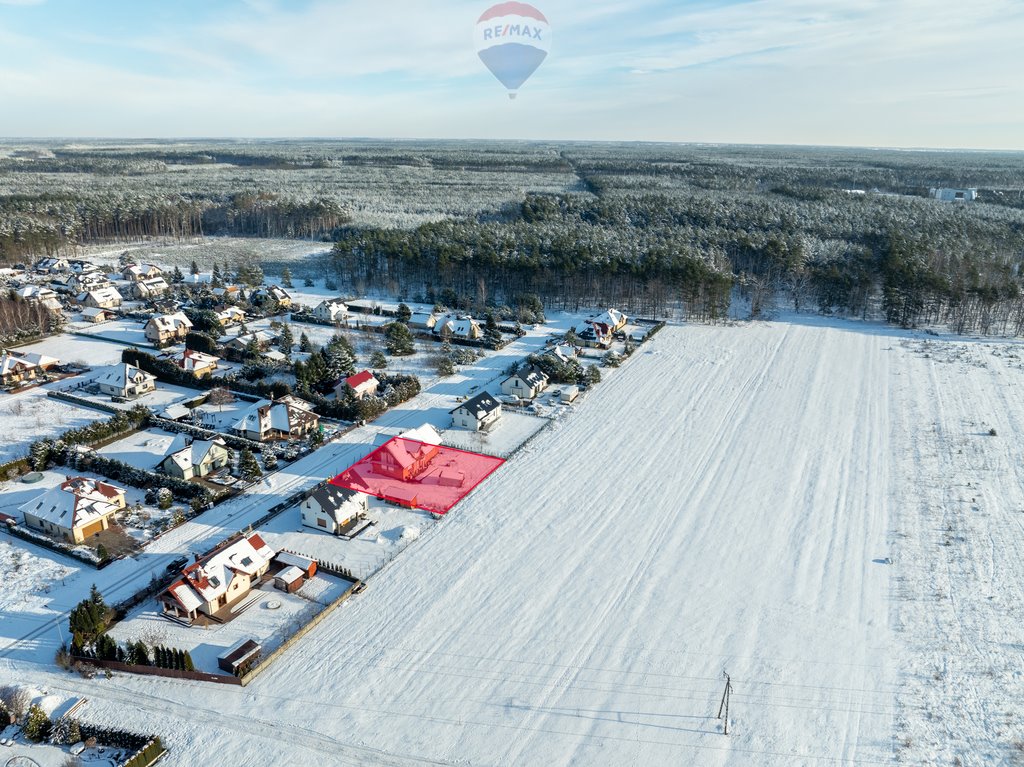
(230, 315)
(423, 320)
(140, 272)
(331, 310)
(150, 287)
(196, 363)
(273, 293)
(954, 195)
(75, 509)
(361, 385)
(457, 326)
(101, 298)
(167, 328)
(38, 294)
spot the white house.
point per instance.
(331, 310)
(361, 385)
(39, 294)
(197, 459)
(51, 265)
(458, 326)
(478, 414)
(268, 420)
(330, 508)
(124, 380)
(955, 195)
(525, 383)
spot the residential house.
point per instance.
(271, 293)
(954, 195)
(457, 326)
(149, 288)
(14, 369)
(196, 363)
(525, 383)
(94, 314)
(331, 310)
(51, 265)
(197, 458)
(80, 266)
(140, 272)
(75, 509)
(39, 294)
(597, 331)
(101, 298)
(167, 328)
(240, 343)
(42, 362)
(479, 413)
(227, 291)
(270, 420)
(361, 385)
(217, 581)
(83, 283)
(423, 321)
(124, 380)
(230, 315)
(332, 509)
(404, 457)
(564, 352)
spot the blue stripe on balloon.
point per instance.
(512, 63)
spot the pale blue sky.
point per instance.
(941, 73)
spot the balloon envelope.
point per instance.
(512, 40)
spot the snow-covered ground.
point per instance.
(817, 508)
(124, 332)
(267, 615)
(71, 348)
(143, 449)
(31, 415)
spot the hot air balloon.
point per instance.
(512, 39)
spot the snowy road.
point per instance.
(817, 509)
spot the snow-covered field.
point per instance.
(817, 508)
(31, 415)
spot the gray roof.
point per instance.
(480, 405)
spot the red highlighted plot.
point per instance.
(418, 474)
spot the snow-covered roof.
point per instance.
(425, 433)
(463, 326)
(35, 293)
(94, 311)
(210, 578)
(121, 375)
(284, 415)
(190, 359)
(294, 560)
(339, 503)
(76, 502)
(290, 575)
(188, 455)
(101, 295)
(140, 271)
(170, 323)
(12, 365)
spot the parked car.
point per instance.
(177, 565)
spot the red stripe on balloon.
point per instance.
(512, 9)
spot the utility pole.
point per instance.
(723, 707)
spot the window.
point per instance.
(321, 522)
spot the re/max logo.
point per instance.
(510, 30)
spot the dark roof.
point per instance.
(482, 404)
(532, 375)
(331, 496)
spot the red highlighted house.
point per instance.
(417, 474)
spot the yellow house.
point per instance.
(75, 509)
